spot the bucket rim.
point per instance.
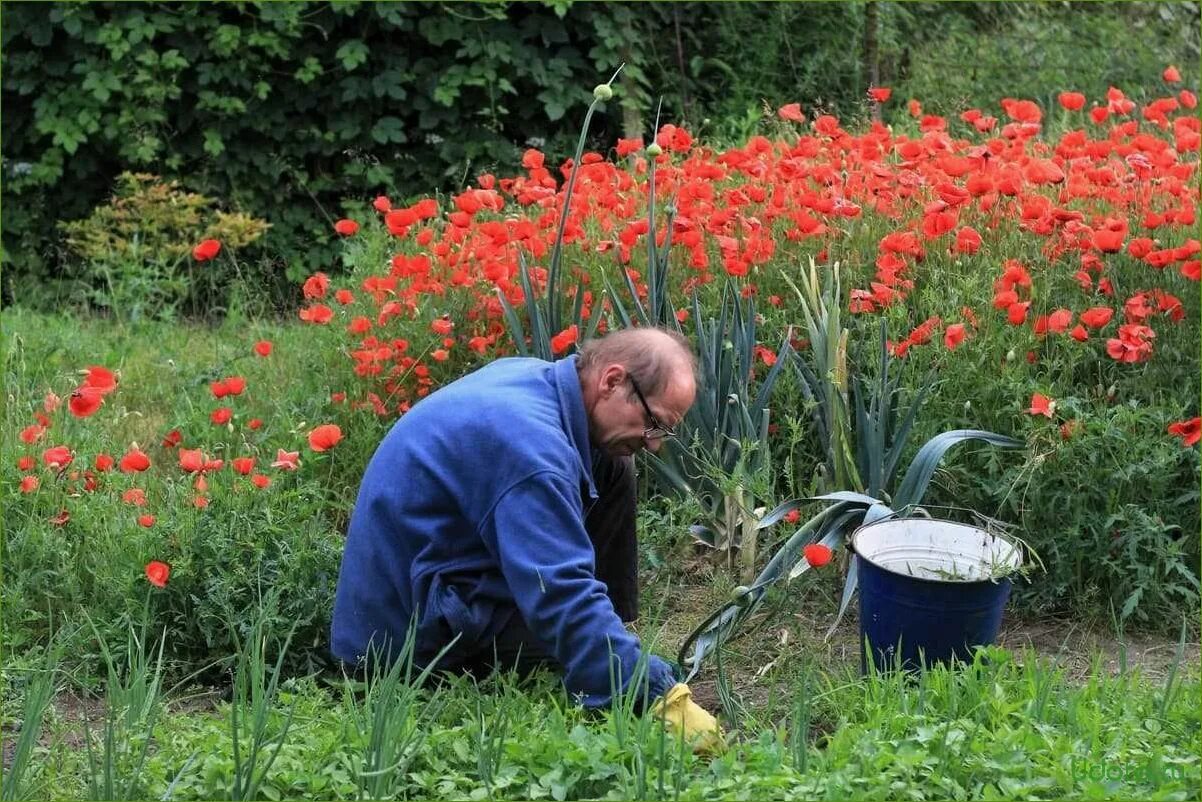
(851, 542)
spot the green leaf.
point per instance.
(388, 129)
(918, 476)
(214, 144)
(554, 109)
(352, 54)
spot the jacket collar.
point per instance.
(572, 412)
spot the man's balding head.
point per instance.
(660, 363)
(651, 356)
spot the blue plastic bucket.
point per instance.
(929, 590)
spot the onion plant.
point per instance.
(722, 449)
(546, 314)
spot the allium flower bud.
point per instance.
(654, 150)
(603, 92)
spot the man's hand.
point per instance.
(686, 719)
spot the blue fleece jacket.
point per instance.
(471, 511)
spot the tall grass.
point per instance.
(39, 690)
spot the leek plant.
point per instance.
(863, 457)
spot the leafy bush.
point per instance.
(133, 255)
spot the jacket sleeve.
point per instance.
(536, 531)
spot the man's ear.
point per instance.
(612, 378)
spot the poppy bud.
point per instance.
(654, 150)
(603, 92)
(1011, 355)
(967, 407)
(1111, 391)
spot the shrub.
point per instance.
(134, 254)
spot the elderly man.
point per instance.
(501, 511)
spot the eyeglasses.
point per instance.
(656, 431)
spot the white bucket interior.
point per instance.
(938, 550)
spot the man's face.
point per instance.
(620, 422)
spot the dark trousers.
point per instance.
(610, 523)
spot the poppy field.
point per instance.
(176, 494)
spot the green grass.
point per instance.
(1007, 726)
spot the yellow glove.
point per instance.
(685, 718)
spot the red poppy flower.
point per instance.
(1069, 429)
(134, 461)
(51, 402)
(206, 250)
(1108, 241)
(792, 516)
(254, 423)
(346, 228)
(1097, 317)
(146, 520)
(792, 112)
(60, 519)
(58, 457)
(243, 465)
(879, 94)
(1003, 299)
(1016, 313)
(1190, 431)
(316, 286)
(26, 463)
(85, 401)
(221, 415)
(103, 462)
(1059, 321)
(324, 437)
(135, 496)
(968, 241)
(172, 439)
(286, 460)
(32, 433)
(101, 378)
(953, 336)
(1071, 101)
(1079, 333)
(1041, 405)
(318, 314)
(157, 573)
(817, 555)
(625, 147)
(29, 484)
(562, 341)
(1171, 75)
(344, 296)
(260, 481)
(235, 385)
(263, 348)
(191, 460)
(442, 326)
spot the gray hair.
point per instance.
(650, 356)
